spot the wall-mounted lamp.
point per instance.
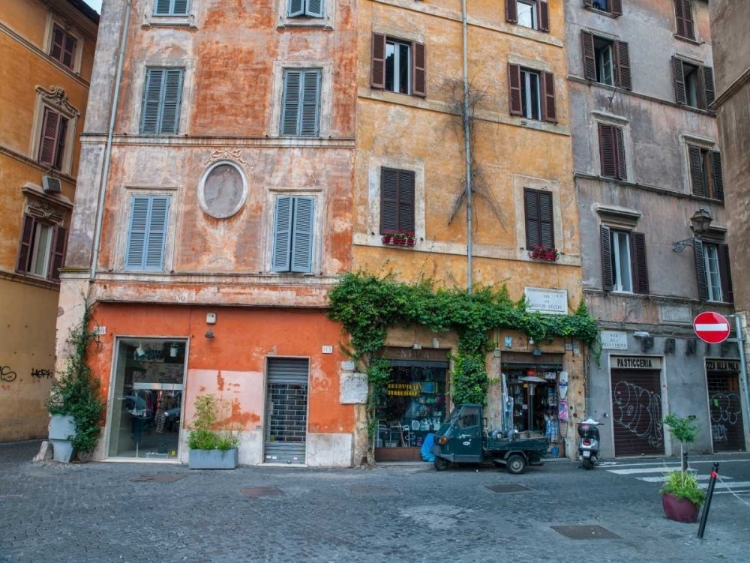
(699, 224)
(210, 334)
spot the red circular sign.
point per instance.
(712, 328)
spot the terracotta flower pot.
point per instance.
(679, 510)
(387, 239)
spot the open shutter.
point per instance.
(304, 223)
(696, 171)
(24, 250)
(543, 16)
(726, 274)
(679, 12)
(57, 256)
(689, 30)
(622, 59)
(290, 104)
(589, 56)
(638, 262)
(700, 270)
(514, 94)
(50, 129)
(531, 209)
(616, 7)
(708, 85)
(607, 274)
(607, 150)
(718, 176)
(314, 8)
(310, 103)
(678, 75)
(377, 79)
(548, 89)
(511, 11)
(282, 234)
(137, 232)
(152, 94)
(171, 106)
(622, 169)
(69, 52)
(157, 233)
(62, 135)
(406, 181)
(388, 200)
(58, 43)
(296, 8)
(420, 70)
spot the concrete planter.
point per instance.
(60, 427)
(214, 459)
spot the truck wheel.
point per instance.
(516, 464)
(441, 464)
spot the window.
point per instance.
(161, 101)
(63, 47)
(305, 8)
(171, 7)
(539, 225)
(612, 152)
(606, 61)
(532, 93)
(705, 172)
(533, 14)
(398, 66)
(53, 137)
(684, 15)
(624, 261)
(693, 84)
(300, 107)
(396, 200)
(147, 233)
(713, 272)
(42, 249)
(613, 7)
(293, 234)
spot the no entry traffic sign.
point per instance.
(712, 328)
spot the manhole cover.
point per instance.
(261, 491)
(511, 488)
(585, 532)
(370, 490)
(158, 478)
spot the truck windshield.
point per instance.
(454, 416)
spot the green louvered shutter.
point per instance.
(314, 8)
(308, 125)
(304, 220)
(282, 234)
(157, 234)
(170, 118)
(147, 233)
(296, 8)
(137, 233)
(180, 7)
(152, 101)
(290, 104)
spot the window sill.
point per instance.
(687, 39)
(323, 23)
(601, 12)
(169, 21)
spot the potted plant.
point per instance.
(681, 495)
(210, 449)
(387, 237)
(410, 239)
(540, 252)
(399, 238)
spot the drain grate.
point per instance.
(158, 478)
(255, 492)
(511, 488)
(586, 533)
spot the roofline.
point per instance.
(85, 9)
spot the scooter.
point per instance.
(588, 442)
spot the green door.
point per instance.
(468, 435)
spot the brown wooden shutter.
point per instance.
(548, 95)
(638, 262)
(616, 7)
(378, 61)
(678, 75)
(69, 53)
(511, 11)
(24, 249)
(607, 150)
(622, 170)
(718, 176)
(58, 41)
(607, 273)
(420, 70)
(546, 223)
(514, 94)
(57, 256)
(679, 12)
(48, 144)
(388, 200)
(406, 183)
(700, 270)
(589, 56)
(531, 214)
(696, 171)
(726, 274)
(622, 60)
(62, 135)
(708, 85)
(689, 29)
(543, 16)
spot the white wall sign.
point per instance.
(353, 388)
(550, 301)
(614, 340)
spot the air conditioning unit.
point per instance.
(51, 185)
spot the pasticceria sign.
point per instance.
(636, 362)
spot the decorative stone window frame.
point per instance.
(150, 19)
(139, 85)
(686, 141)
(40, 205)
(57, 100)
(202, 185)
(598, 117)
(520, 183)
(325, 114)
(52, 20)
(618, 217)
(326, 22)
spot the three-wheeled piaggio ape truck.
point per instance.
(463, 438)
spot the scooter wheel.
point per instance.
(441, 464)
(587, 463)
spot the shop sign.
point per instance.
(614, 340)
(550, 301)
(723, 365)
(636, 362)
(404, 389)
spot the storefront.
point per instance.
(724, 405)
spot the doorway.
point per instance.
(727, 429)
(637, 412)
(286, 400)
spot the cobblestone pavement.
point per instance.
(100, 512)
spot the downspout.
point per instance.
(467, 151)
(108, 150)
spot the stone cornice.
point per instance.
(733, 88)
(647, 187)
(33, 163)
(209, 141)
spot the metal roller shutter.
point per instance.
(286, 432)
(637, 413)
(727, 432)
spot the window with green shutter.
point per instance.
(294, 224)
(147, 233)
(300, 107)
(305, 8)
(162, 95)
(171, 7)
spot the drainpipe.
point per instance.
(108, 151)
(467, 151)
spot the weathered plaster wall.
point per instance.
(729, 21)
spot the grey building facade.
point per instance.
(647, 159)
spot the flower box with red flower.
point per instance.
(549, 254)
(399, 238)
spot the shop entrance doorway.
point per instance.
(727, 430)
(286, 400)
(637, 412)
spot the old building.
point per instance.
(648, 164)
(45, 71)
(212, 219)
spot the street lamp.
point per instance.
(700, 222)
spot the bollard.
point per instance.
(709, 495)
(684, 461)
